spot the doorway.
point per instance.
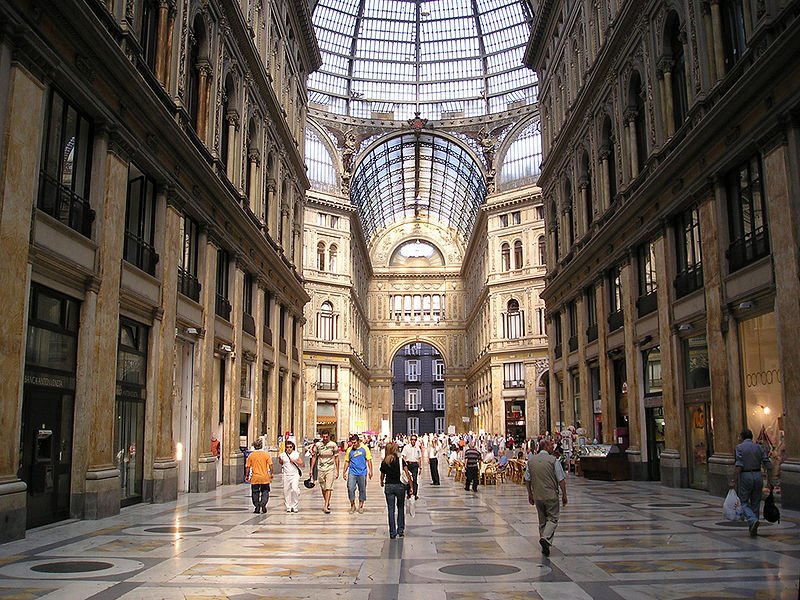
(47, 420)
(182, 414)
(655, 441)
(699, 443)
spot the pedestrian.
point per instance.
(259, 475)
(357, 465)
(747, 477)
(394, 489)
(325, 457)
(543, 478)
(433, 459)
(290, 467)
(472, 458)
(412, 456)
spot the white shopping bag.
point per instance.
(411, 506)
(732, 507)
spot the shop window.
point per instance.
(695, 363)
(762, 379)
(652, 371)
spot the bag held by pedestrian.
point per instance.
(732, 507)
(309, 483)
(403, 478)
(771, 512)
(411, 506)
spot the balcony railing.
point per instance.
(222, 307)
(63, 204)
(748, 249)
(647, 303)
(140, 254)
(591, 333)
(572, 342)
(616, 320)
(513, 383)
(327, 385)
(188, 285)
(248, 324)
(689, 280)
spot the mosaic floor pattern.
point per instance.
(616, 541)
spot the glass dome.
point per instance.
(445, 59)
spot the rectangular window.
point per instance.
(615, 314)
(591, 314)
(747, 214)
(140, 221)
(688, 253)
(557, 334)
(695, 363)
(575, 383)
(327, 377)
(516, 217)
(413, 425)
(245, 384)
(412, 370)
(513, 375)
(66, 165)
(438, 370)
(247, 294)
(540, 328)
(438, 425)
(222, 304)
(572, 308)
(503, 220)
(412, 399)
(648, 283)
(539, 213)
(438, 399)
(188, 284)
(652, 371)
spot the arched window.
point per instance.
(586, 183)
(321, 256)
(542, 251)
(518, 254)
(513, 322)
(326, 322)
(674, 51)
(505, 255)
(197, 88)
(636, 119)
(332, 258)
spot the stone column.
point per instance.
(633, 147)
(607, 400)
(587, 410)
(232, 123)
(665, 69)
(203, 477)
(780, 163)
(204, 77)
(285, 232)
(233, 461)
(720, 465)
(254, 157)
(605, 172)
(165, 468)
(168, 49)
(19, 158)
(716, 28)
(269, 208)
(102, 496)
(584, 218)
(633, 369)
(673, 473)
(161, 44)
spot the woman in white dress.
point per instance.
(290, 467)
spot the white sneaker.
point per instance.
(295, 510)
(288, 510)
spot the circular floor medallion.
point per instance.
(172, 529)
(72, 566)
(479, 570)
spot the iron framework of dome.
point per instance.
(439, 58)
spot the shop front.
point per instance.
(697, 409)
(515, 419)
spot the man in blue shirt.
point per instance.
(357, 464)
(747, 474)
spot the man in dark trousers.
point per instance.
(472, 457)
(543, 478)
(747, 473)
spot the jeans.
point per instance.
(260, 492)
(471, 475)
(750, 486)
(361, 482)
(395, 499)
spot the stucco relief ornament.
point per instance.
(348, 150)
(418, 123)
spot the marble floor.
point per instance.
(620, 541)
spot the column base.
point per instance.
(13, 510)
(233, 469)
(204, 479)
(165, 481)
(637, 467)
(672, 473)
(720, 473)
(101, 498)
(790, 484)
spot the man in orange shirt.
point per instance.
(259, 474)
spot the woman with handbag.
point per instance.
(290, 467)
(394, 478)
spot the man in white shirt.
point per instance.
(412, 457)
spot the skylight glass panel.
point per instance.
(321, 171)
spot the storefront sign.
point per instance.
(54, 381)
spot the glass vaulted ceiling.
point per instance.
(418, 177)
(442, 58)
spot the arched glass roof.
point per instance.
(420, 177)
(441, 58)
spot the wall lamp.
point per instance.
(747, 305)
(685, 327)
(765, 409)
(226, 348)
(192, 331)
